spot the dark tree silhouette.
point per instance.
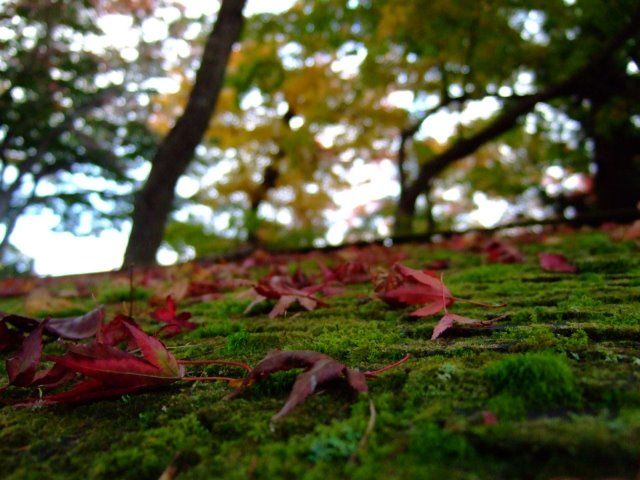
(154, 202)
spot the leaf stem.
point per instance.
(373, 373)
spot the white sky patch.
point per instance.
(453, 194)
(63, 253)
(400, 99)
(329, 134)
(187, 187)
(439, 126)
(489, 211)
(370, 182)
(350, 57)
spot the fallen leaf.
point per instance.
(438, 265)
(75, 328)
(405, 286)
(276, 287)
(9, 338)
(632, 232)
(319, 369)
(115, 332)
(176, 323)
(70, 328)
(555, 262)
(450, 320)
(16, 287)
(501, 251)
(347, 273)
(110, 371)
(488, 417)
(21, 368)
(177, 289)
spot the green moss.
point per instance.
(243, 342)
(121, 293)
(357, 343)
(219, 329)
(150, 455)
(430, 443)
(544, 381)
(561, 373)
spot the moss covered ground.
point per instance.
(561, 375)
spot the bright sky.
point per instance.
(63, 253)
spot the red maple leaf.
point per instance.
(501, 251)
(348, 272)
(278, 287)
(22, 367)
(105, 370)
(115, 332)
(109, 371)
(405, 286)
(176, 323)
(555, 262)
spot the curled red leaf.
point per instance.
(76, 328)
(12, 327)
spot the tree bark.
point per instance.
(617, 179)
(154, 202)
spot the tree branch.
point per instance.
(512, 112)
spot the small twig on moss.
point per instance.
(171, 471)
(375, 373)
(362, 444)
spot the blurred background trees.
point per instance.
(336, 120)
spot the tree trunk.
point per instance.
(428, 213)
(405, 211)
(617, 179)
(154, 202)
(269, 179)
